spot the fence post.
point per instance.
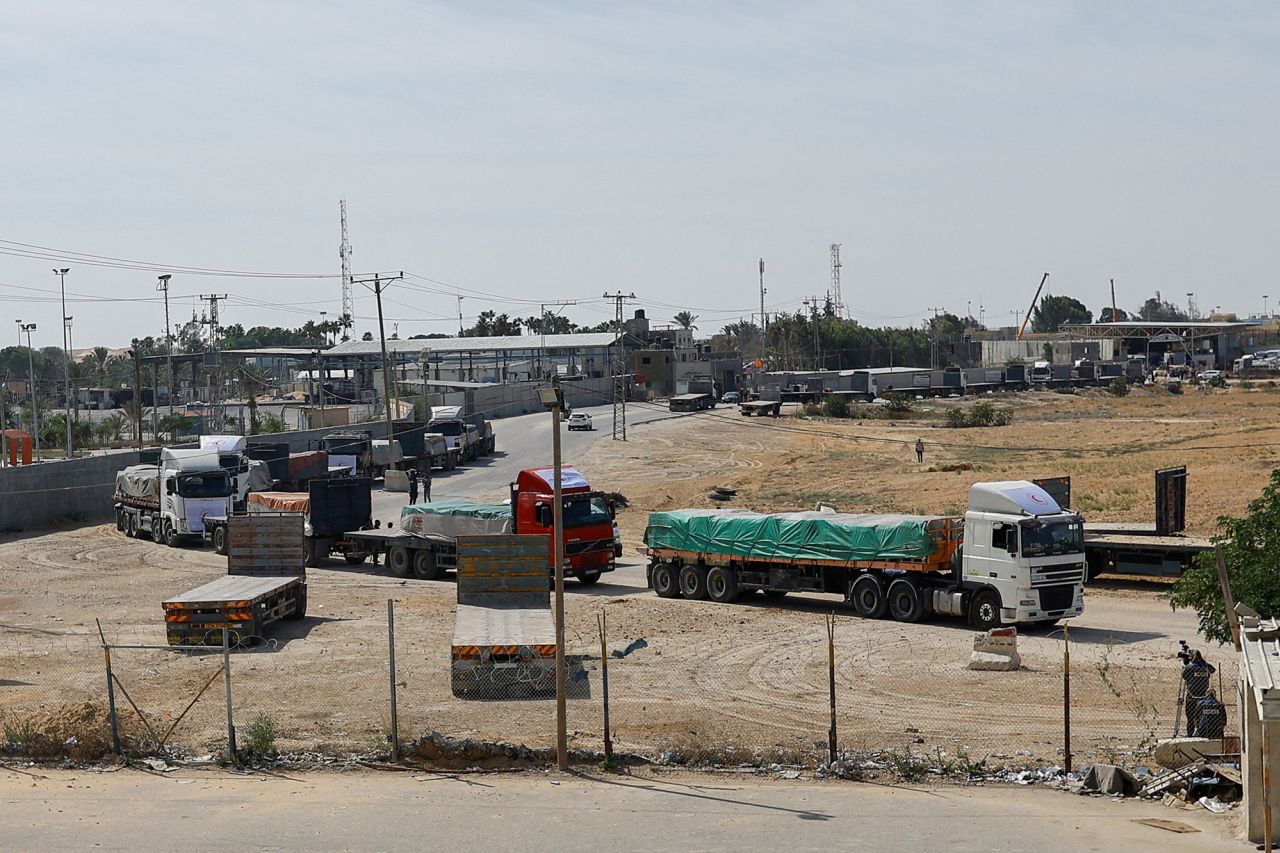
(391, 657)
(226, 678)
(111, 691)
(602, 621)
(1066, 695)
(831, 684)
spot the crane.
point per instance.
(1027, 319)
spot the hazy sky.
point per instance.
(559, 150)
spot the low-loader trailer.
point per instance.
(1015, 556)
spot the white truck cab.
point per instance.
(1026, 549)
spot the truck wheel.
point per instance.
(220, 540)
(722, 585)
(311, 553)
(1096, 564)
(353, 559)
(170, 534)
(589, 578)
(425, 567)
(693, 582)
(119, 521)
(906, 604)
(984, 610)
(300, 606)
(155, 529)
(399, 561)
(664, 580)
(868, 598)
(131, 526)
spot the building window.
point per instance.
(644, 360)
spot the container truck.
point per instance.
(265, 582)
(247, 475)
(423, 450)
(504, 640)
(329, 507)
(469, 436)
(170, 499)
(1015, 556)
(350, 450)
(425, 543)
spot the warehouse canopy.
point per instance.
(1152, 329)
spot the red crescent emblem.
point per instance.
(1035, 497)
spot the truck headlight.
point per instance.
(1028, 602)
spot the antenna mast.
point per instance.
(837, 301)
(348, 300)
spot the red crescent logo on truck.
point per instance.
(1035, 497)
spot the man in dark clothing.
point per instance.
(1197, 675)
(919, 449)
(426, 485)
(413, 487)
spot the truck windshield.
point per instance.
(213, 484)
(586, 511)
(1061, 538)
(450, 428)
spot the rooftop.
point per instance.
(513, 343)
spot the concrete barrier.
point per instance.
(77, 490)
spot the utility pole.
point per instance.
(764, 318)
(213, 299)
(557, 536)
(379, 283)
(344, 253)
(542, 326)
(1114, 318)
(31, 374)
(835, 280)
(460, 298)
(163, 285)
(66, 354)
(619, 359)
(136, 352)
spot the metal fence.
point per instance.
(311, 694)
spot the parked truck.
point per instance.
(170, 499)
(247, 475)
(691, 402)
(469, 436)
(1015, 556)
(504, 641)
(425, 543)
(265, 582)
(423, 450)
(350, 450)
(329, 508)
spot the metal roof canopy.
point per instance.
(1260, 648)
(513, 343)
(1193, 329)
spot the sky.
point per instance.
(520, 153)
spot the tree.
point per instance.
(1104, 316)
(1156, 309)
(490, 324)
(1251, 548)
(550, 324)
(367, 336)
(685, 320)
(1053, 311)
(174, 424)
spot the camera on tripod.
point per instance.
(1185, 652)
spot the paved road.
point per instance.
(523, 442)
(212, 810)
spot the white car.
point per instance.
(1209, 375)
(580, 420)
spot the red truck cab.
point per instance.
(588, 518)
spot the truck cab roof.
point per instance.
(190, 460)
(1012, 497)
(542, 480)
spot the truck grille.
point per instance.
(589, 547)
(1057, 597)
(1056, 575)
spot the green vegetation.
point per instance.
(835, 406)
(1119, 387)
(260, 739)
(982, 414)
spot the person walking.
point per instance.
(919, 449)
(413, 486)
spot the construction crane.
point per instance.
(1027, 319)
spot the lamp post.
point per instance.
(163, 285)
(1264, 305)
(553, 399)
(31, 377)
(66, 355)
(71, 348)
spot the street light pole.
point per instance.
(553, 399)
(66, 355)
(163, 285)
(31, 375)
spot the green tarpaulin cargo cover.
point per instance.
(455, 518)
(787, 536)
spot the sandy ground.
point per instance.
(133, 810)
(729, 683)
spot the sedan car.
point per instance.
(1210, 375)
(731, 398)
(580, 420)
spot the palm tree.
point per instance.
(685, 320)
(99, 356)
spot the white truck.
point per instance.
(469, 436)
(169, 500)
(1015, 556)
(247, 475)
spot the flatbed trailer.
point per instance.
(691, 402)
(504, 640)
(425, 557)
(265, 582)
(1128, 549)
(761, 408)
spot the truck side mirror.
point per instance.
(542, 513)
(170, 487)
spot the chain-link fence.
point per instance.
(901, 700)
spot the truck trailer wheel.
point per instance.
(353, 559)
(906, 604)
(400, 561)
(664, 580)
(425, 566)
(693, 582)
(984, 610)
(131, 526)
(119, 521)
(300, 604)
(220, 540)
(722, 584)
(868, 598)
(588, 578)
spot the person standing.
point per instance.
(1197, 675)
(919, 449)
(426, 484)
(413, 486)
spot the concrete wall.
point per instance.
(79, 490)
(510, 400)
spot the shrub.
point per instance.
(899, 403)
(982, 414)
(1002, 417)
(956, 418)
(1246, 384)
(1119, 387)
(260, 738)
(835, 406)
(1219, 382)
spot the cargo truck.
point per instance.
(169, 500)
(265, 582)
(247, 475)
(329, 507)
(469, 436)
(423, 450)
(1015, 556)
(425, 543)
(504, 641)
(350, 450)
